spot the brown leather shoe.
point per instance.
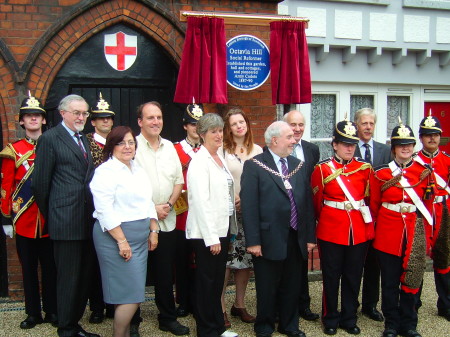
(227, 323)
(243, 314)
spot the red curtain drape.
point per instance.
(289, 63)
(203, 70)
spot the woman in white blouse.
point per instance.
(211, 219)
(126, 226)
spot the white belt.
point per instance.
(439, 198)
(347, 205)
(401, 207)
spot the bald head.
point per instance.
(296, 121)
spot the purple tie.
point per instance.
(77, 136)
(293, 221)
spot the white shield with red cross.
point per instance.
(120, 50)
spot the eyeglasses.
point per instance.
(77, 113)
(130, 143)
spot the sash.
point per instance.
(363, 209)
(441, 182)
(22, 197)
(188, 149)
(412, 194)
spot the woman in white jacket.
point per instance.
(210, 221)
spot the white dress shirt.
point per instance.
(298, 151)
(121, 194)
(362, 148)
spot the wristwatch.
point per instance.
(171, 206)
(154, 231)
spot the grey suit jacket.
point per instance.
(266, 208)
(61, 185)
(381, 153)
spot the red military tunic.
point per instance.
(391, 227)
(185, 152)
(17, 200)
(339, 225)
(440, 164)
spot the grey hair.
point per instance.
(65, 102)
(286, 116)
(207, 122)
(274, 130)
(365, 112)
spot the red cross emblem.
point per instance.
(120, 50)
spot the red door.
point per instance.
(441, 110)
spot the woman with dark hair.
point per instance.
(399, 200)
(126, 226)
(344, 227)
(238, 146)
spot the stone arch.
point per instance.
(158, 24)
(8, 92)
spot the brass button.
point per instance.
(348, 206)
(405, 209)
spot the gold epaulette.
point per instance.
(8, 152)
(339, 171)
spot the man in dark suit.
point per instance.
(62, 171)
(310, 154)
(377, 154)
(278, 220)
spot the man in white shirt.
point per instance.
(160, 160)
(377, 154)
(310, 154)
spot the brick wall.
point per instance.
(38, 36)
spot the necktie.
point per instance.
(367, 156)
(294, 151)
(293, 222)
(77, 136)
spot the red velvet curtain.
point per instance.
(289, 63)
(203, 70)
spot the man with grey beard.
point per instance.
(62, 171)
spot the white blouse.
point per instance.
(121, 194)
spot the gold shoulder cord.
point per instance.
(278, 174)
(339, 172)
(394, 181)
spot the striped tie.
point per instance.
(293, 222)
(77, 136)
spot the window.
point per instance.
(323, 120)
(397, 106)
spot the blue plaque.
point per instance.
(248, 63)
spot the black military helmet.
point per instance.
(101, 109)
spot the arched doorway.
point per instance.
(152, 77)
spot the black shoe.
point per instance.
(390, 333)
(444, 313)
(83, 333)
(410, 333)
(308, 315)
(175, 328)
(182, 312)
(134, 330)
(329, 331)
(31, 321)
(96, 317)
(52, 319)
(354, 330)
(298, 333)
(373, 314)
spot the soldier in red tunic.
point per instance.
(186, 150)
(438, 233)
(397, 202)
(21, 217)
(344, 228)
